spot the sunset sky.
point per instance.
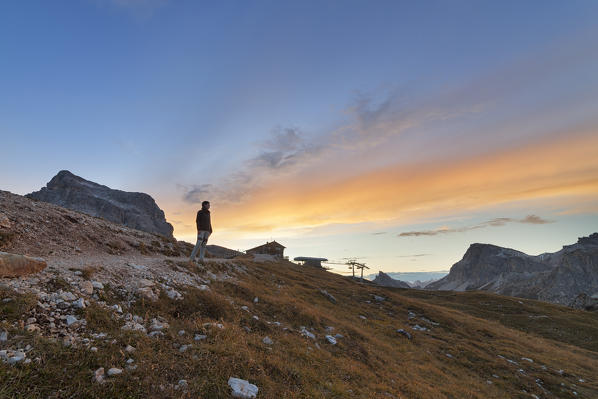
(399, 132)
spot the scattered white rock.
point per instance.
(331, 339)
(527, 359)
(242, 388)
(417, 327)
(79, 303)
(18, 356)
(137, 267)
(117, 308)
(70, 320)
(31, 320)
(173, 294)
(200, 337)
(362, 317)
(3, 336)
(203, 287)
(379, 298)
(306, 333)
(157, 325)
(129, 361)
(97, 285)
(130, 349)
(184, 348)
(267, 341)
(182, 384)
(99, 375)
(114, 371)
(255, 300)
(245, 308)
(328, 295)
(93, 349)
(133, 326)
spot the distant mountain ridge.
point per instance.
(135, 210)
(558, 277)
(414, 278)
(385, 280)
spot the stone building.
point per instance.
(269, 248)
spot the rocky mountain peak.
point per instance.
(385, 280)
(132, 209)
(556, 277)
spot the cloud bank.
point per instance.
(497, 222)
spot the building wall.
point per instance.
(269, 250)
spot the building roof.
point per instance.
(307, 258)
(268, 244)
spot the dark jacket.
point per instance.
(203, 221)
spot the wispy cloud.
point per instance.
(497, 222)
(412, 256)
(285, 150)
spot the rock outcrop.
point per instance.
(12, 265)
(558, 277)
(385, 280)
(135, 210)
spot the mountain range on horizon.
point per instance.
(414, 277)
(567, 277)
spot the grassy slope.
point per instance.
(372, 360)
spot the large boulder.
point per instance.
(12, 265)
(135, 210)
(242, 388)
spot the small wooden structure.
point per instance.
(269, 248)
(309, 261)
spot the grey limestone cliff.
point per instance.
(135, 210)
(558, 277)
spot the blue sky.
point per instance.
(283, 111)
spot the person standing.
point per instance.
(204, 229)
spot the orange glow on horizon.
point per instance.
(560, 167)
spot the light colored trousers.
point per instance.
(202, 241)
